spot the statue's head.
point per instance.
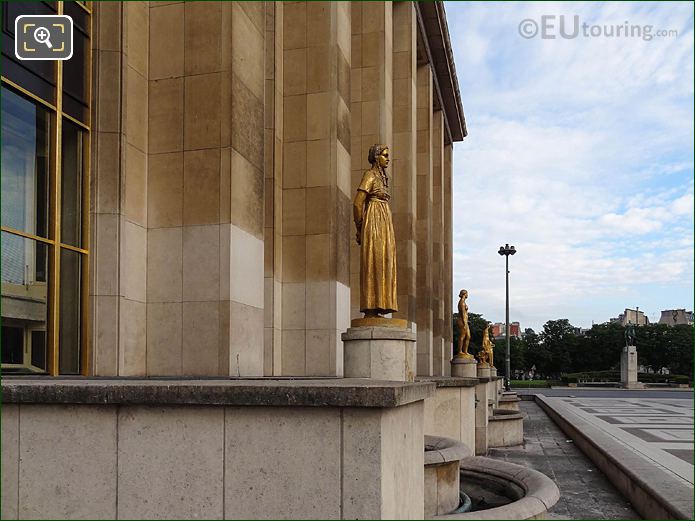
(463, 293)
(379, 155)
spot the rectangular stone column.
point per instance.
(119, 180)
(371, 104)
(424, 221)
(205, 251)
(107, 49)
(481, 417)
(273, 146)
(316, 192)
(448, 293)
(440, 360)
(403, 154)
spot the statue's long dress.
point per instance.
(378, 252)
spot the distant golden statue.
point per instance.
(378, 294)
(488, 346)
(482, 358)
(463, 328)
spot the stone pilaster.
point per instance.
(424, 221)
(439, 358)
(119, 178)
(316, 192)
(371, 103)
(448, 296)
(273, 146)
(403, 154)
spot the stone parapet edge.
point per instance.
(629, 473)
(352, 392)
(505, 415)
(449, 381)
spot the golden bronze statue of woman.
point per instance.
(463, 328)
(378, 295)
(488, 346)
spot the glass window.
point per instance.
(75, 78)
(26, 130)
(71, 181)
(24, 302)
(37, 76)
(44, 201)
(70, 310)
(12, 345)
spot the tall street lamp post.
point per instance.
(507, 250)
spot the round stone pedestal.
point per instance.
(464, 367)
(380, 353)
(483, 371)
(493, 371)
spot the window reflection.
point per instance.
(24, 304)
(25, 153)
(71, 181)
(70, 286)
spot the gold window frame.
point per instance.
(55, 246)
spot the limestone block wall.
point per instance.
(403, 154)
(450, 413)
(316, 205)
(448, 270)
(212, 462)
(425, 301)
(228, 143)
(371, 107)
(119, 188)
(273, 143)
(205, 256)
(440, 358)
(180, 227)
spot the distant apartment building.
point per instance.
(631, 316)
(674, 317)
(499, 330)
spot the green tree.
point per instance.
(654, 346)
(681, 349)
(517, 355)
(560, 339)
(602, 345)
(536, 354)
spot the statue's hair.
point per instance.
(375, 151)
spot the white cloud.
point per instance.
(580, 154)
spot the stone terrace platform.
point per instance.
(585, 493)
(643, 445)
(306, 392)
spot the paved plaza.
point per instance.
(658, 429)
(643, 440)
(585, 493)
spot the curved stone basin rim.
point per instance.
(444, 450)
(540, 492)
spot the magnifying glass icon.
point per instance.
(42, 35)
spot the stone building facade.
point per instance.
(223, 143)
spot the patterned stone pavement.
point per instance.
(585, 493)
(659, 429)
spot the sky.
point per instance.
(579, 153)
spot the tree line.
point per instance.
(560, 349)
